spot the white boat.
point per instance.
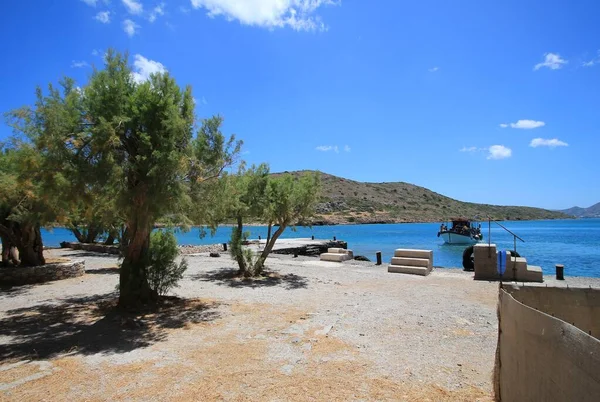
(461, 232)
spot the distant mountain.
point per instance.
(349, 201)
(591, 212)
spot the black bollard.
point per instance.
(224, 246)
(560, 272)
(259, 237)
(334, 239)
(295, 254)
(312, 237)
(378, 255)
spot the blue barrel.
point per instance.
(501, 262)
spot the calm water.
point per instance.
(574, 243)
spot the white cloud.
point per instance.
(297, 14)
(93, 3)
(469, 149)
(551, 60)
(202, 101)
(524, 124)
(499, 152)
(130, 27)
(95, 52)
(133, 7)
(434, 69)
(143, 68)
(158, 10)
(79, 64)
(347, 148)
(103, 17)
(326, 148)
(550, 143)
(592, 62)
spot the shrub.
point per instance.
(163, 272)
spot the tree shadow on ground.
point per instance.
(230, 277)
(92, 324)
(10, 291)
(103, 271)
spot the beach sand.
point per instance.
(307, 331)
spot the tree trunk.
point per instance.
(236, 248)
(260, 263)
(9, 253)
(110, 239)
(134, 290)
(91, 234)
(269, 233)
(27, 238)
(78, 235)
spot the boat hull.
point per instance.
(455, 238)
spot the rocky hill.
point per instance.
(590, 212)
(348, 201)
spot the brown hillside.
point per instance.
(349, 201)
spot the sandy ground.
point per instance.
(308, 331)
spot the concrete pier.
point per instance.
(300, 246)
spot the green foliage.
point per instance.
(275, 200)
(163, 272)
(244, 256)
(243, 199)
(120, 153)
(23, 205)
(292, 199)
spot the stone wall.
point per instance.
(94, 247)
(541, 357)
(15, 276)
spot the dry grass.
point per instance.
(230, 359)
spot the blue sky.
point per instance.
(494, 102)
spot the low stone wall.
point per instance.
(94, 247)
(15, 276)
(541, 357)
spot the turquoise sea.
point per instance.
(574, 243)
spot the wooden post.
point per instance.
(560, 272)
(378, 254)
(224, 246)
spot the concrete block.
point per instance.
(534, 274)
(486, 262)
(403, 269)
(336, 250)
(411, 253)
(337, 257)
(413, 262)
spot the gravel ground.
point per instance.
(308, 330)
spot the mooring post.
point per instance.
(334, 239)
(224, 246)
(560, 272)
(378, 255)
(312, 237)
